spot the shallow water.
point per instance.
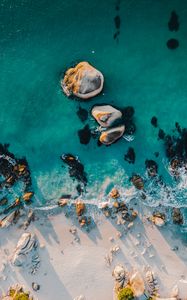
(39, 39)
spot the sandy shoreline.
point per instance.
(76, 264)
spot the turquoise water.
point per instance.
(39, 39)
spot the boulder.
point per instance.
(80, 208)
(105, 115)
(138, 182)
(114, 193)
(110, 136)
(82, 81)
(27, 196)
(177, 216)
(158, 219)
(9, 219)
(137, 284)
(25, 246)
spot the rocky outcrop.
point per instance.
(80, 208)
(82, 81)
(10, 219)
(137, 284)
(110, 136)
(138, 182)
(177, 216)
(26, 251)
(114, 193)
(152, 284)
(105, 115)
(158, 219)
(121, 277)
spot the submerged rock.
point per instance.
(177, 216)
(173, 23)
(152, 167)
(172, 44)
(110, 136)
(3, 201)
(82, 114)
(130, 156)
(105, 115)
(84, 135)
(154, 121)
(76, 169)
(82, 81)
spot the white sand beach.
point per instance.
(78, 263)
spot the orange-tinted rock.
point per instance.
(80, 208)
(114, 193)
(27, 196)
(82, 81)
(110, 136)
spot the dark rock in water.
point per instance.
(151, 167)
(117, 22)
(85, 135)
(130, 156)
(128, 112)
(99, 144)
(161, 134)
(82, 114)
(177, 216)
(3, 201)
(154, 121)
(127, 116)
(13, 169)
(156, 154)
(178, 127)
(173, 23)
(80, 189)
(76, 169)
(116, 34)
(137, 181)
(173, 44)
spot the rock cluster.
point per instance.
(76, 168)
(109, 118)
(82, 81)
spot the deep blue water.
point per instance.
(40, 39)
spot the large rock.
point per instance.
(26, 248)
(82, 81)
(111, 135)
(105, 115)
(137, 284)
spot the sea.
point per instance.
(127, 41)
